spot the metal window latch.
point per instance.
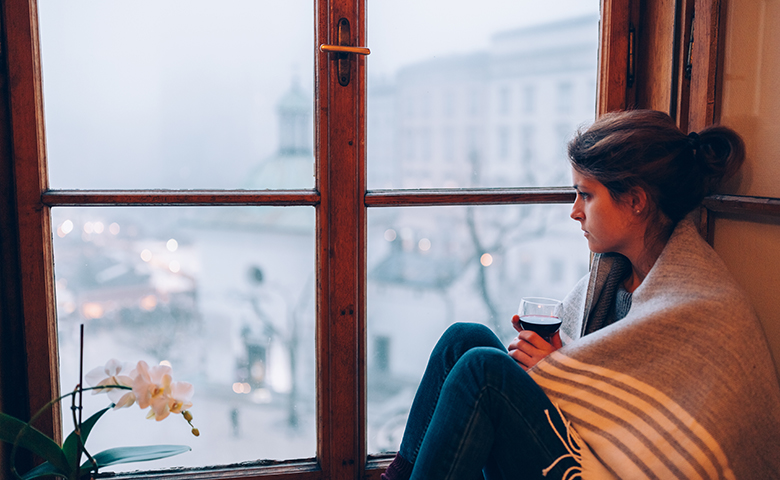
(343, 51)
(631, 75)
(689, 56)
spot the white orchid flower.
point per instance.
(153, 387)
(181, 393)
(114, 373)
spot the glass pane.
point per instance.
(225, 294)
(431, 267)
(485, 100)
(178, 93)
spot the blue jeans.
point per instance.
(477, 412)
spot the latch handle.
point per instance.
(343, 50)
(339, 48)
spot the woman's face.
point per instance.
(609, 225)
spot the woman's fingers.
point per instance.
(516, 323)
(528, 348)
(533, 338)
(524, 359)
(556, 340)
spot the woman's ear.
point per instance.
(637, 200)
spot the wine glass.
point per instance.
(541, 315)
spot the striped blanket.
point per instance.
(683, 387)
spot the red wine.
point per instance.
(544, 326)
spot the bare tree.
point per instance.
(288, 337)
(495, 233)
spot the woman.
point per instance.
(665, 372)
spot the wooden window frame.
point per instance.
(28, 358)
(341, 246)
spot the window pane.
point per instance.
(431, 267)
(225, 294)
(178, 93)
(477, 100)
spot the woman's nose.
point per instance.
(576, 214)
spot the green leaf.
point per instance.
(33, 440)
(71, 443)
(113, 456)
(43, 470)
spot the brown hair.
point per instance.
(644, 148)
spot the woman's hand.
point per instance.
(528, 348)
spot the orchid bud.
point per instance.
(187, 415)
(196, 432)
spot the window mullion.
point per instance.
(469, 196)
(62, 198)
(340, 155)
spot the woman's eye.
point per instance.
(583, 195)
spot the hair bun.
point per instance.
(720, 152)
(693, 140)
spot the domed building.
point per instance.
(291, 167)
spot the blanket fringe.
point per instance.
(572, 443)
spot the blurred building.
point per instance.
(499, 117)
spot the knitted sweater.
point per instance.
(682, 387)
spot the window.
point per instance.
(503, 142)
(449, 103)
(473, 145)
(343, 212)
(426, 145)
(529, 99)
(563, 133)
(449, 145)
(527, 143)
(475, 101)
(408, 148)
(504, 100)
(565, 97)
(425, 104)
